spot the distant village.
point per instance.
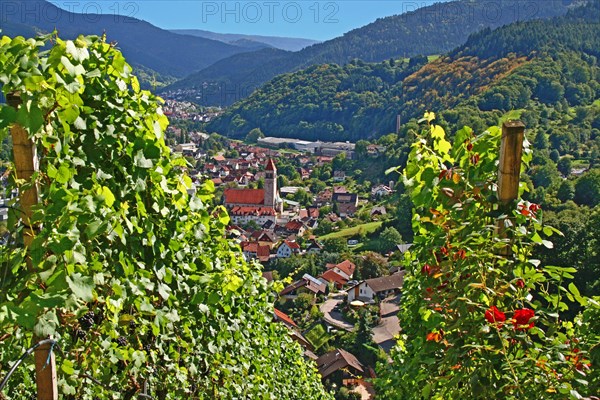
(270, 227)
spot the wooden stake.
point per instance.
(511, 151)
(509, 171)
(25, 160)
(45, 373)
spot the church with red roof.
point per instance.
(258, 205)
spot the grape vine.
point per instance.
(129, 273)
(477, 323)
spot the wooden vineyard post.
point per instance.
(509, 171)
(25, 159)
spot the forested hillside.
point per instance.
(520, 66)
(146, 45)
(429, 30)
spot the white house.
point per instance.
(366, 291)
(380, 191)
(346, 269)
(287, 248)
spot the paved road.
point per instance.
(383, 334)
(332, 317)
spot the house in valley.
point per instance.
(368, 290)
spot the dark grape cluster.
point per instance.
(132, 326)
(149, 343)
(122, 341)
(80, 334)
(87, 321)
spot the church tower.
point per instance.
(270, 184)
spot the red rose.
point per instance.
(522, 318)
(426, 269)
(520, 283)
(493, 315)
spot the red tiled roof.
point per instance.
(250, 247)
(292, 245)
(281, 316)
(332, 276)
(293, 226)
(303, 213)
(244, 196)
(290, 288)
(270, 165)
(263, 251)
(219, 158)
(345, 266)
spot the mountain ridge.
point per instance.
(142, 43)
(512, 67)
(279, 42)
(429, 30)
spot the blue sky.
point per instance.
(320, 20)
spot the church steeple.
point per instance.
(270, 184)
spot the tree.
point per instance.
(114, 271)
(544, 175)
(339, 162)
(303, 197)
(566, 191)
(389, 239)
(304, 301)
(564, 166)
(325, 226)
(254, 135)
(335, 245)
(541, 141)
(587, 188)
(371, 265)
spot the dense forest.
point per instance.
(429, 30)
(496, 71)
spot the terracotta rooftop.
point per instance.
(332, 276)
(294, 225)
(346, 266)
(270, 165)
(281, 316)
(292, 245)
(244, 196)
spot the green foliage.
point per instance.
(433, 29)
(317, 336)
(254, 135)
(488, 75)
(370, 265)
(131, 275)
(389, 239)
(587, 188)
(477, 324)
(335, 245)
(579, 245)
